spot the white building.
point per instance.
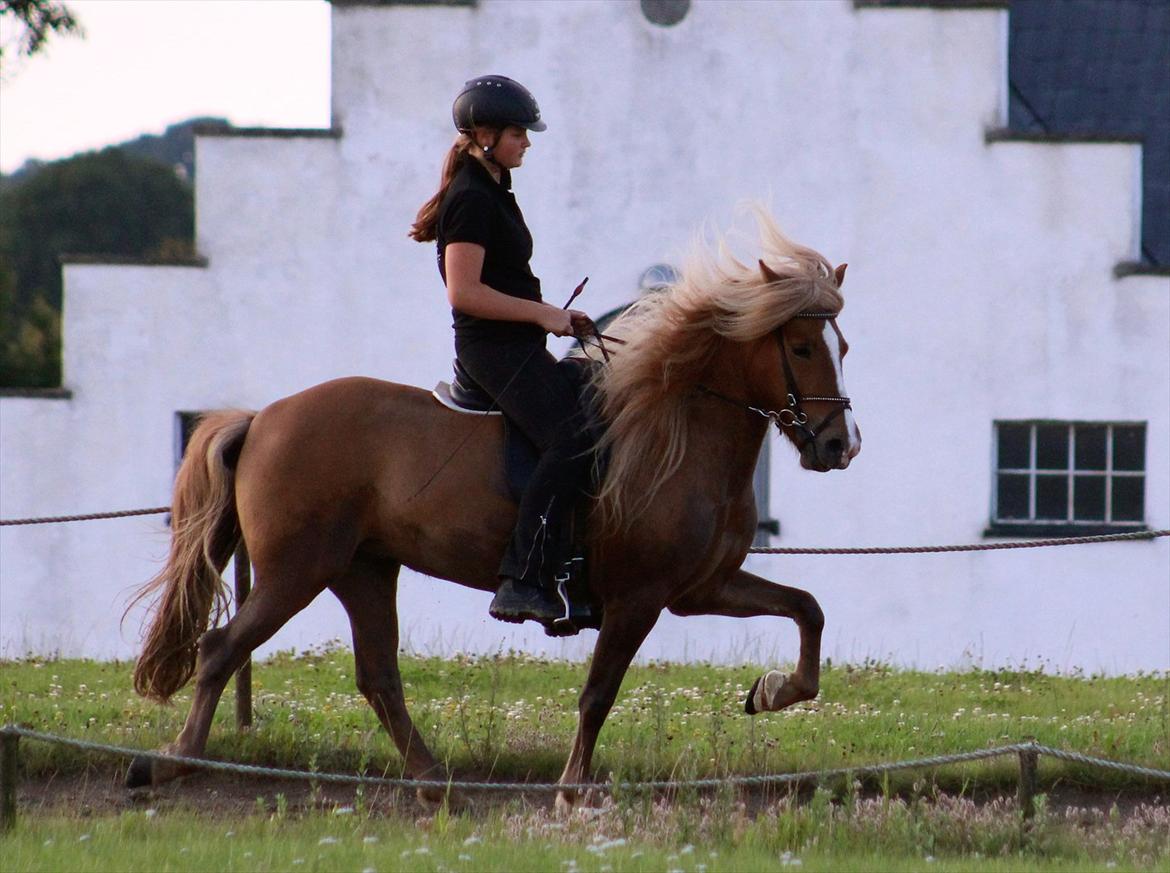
(981, 290)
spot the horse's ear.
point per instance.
(769, 276)
(840, 274)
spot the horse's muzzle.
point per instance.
(825, 454)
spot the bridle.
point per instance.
(793, 416)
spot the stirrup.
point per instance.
(564, 625)
(569, 623)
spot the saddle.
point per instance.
(521, 456)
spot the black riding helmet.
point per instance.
(495, 101)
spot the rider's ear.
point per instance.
(840, 274)
(769, 276)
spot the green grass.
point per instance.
(513, 717)
(877, 834)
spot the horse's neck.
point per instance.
(725, 438)
(726, 435)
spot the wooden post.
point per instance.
(244, 674)
(9, 774)
(1026, 796)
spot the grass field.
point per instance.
(512, 718)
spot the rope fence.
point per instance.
(967, 547)
(1027, 752)
(755, 550)
(92, 516)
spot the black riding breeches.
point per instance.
(540, 397)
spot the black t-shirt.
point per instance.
(478, 209)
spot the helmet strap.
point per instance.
(488, 149)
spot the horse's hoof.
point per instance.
(565, 802)
(140, 774)
(437, 798)
(749, 705)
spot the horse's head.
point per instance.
(797, 372)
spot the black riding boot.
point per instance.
(516, 602)
(540, 397)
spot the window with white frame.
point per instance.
(185, 423)
(1070, 477)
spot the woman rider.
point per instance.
(501, 324)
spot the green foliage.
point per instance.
(175, 147)
(38, 20)
(99, 203)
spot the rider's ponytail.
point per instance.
(427, 220)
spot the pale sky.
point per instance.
(144, 64)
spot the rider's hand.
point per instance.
(559, 322)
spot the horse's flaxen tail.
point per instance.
(204, 532)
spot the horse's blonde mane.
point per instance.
(671, 337)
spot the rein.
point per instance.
(793, 416)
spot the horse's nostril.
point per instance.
(835, 446)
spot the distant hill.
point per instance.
(175, 147)
(130, 200)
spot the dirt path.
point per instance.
(98, 793)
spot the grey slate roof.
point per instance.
(1093, 69)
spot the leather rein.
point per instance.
(793, 416)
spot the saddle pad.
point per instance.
(442, 393)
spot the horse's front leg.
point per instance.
(623, 629)
(743, 595)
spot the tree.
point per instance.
(98, 203)
(38, 20)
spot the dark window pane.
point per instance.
(1129, 447)
(1129, 497)
(1089, 498)
(1052, 498)
(1090, 447)
(1051, 447)
(1013, 497)
(1013, 446)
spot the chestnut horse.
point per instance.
(341, 485)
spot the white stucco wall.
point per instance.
(980, 288)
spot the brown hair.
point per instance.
(427, 220)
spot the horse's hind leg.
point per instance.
(222, 651)
(744, 595)
(368, 591)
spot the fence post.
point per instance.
(244, 674)
(1026, 795)
(9, 774)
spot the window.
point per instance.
(665, 12)
(1056, 478)
(766, 526)
(185, 423)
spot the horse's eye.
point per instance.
(802, 352)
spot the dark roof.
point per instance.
(1097, 69)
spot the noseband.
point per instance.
(793, 416)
